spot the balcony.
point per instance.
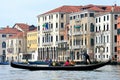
(47, 43)
(77, 20)
(75, 47)
(100, 44)
(78, 33)
(62, 41)
(47, 30)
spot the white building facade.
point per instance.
(49, 26)
(14, 48)
(105, 36)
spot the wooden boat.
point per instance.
(70, 68)
(4, 63)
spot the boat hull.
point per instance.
(69, 68)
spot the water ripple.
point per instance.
(105, 73)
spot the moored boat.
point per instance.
(70, 68)
(4, 63)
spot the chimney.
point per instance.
(7, 26)
(112, 9)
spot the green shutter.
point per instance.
(77, 26)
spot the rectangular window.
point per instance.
(91, 27)
(99, 56)
(96, 39)
(56, 38)
(115, 38)
(115, 16)
(115, 26)
(51, 25)
(19, 50)
(73, 17)
(99, 20)
(56, 25)
(51, 38)
(3, 35)
(61, 37)
(104, 18)
(43, 40)
(91, 14)
(62, 15)
(38, 40)
(62, 25)
(107, 17)
(118, 31)
(38, 28)
(85, 14)
(107, 49)
(70, 18)
(4, 52)
(92, 42)
(56, 15)
(115, 49)
(20, 43)
(96, 20)
(82, 15)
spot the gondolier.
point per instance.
(86, 56)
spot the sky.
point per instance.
(26, 11)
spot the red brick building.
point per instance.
(118, 39)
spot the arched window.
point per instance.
(3, 45)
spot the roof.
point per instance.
(8, 30)
(18, 35)
(98, 8)
(23, 26)
(65, 8)
(95, 8)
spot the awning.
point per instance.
(77, 26)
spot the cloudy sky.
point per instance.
(25, 11)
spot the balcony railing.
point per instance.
(47, 43)
(75, 47)
(78, 33)
(48, 30)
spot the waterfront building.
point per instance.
(63, 44)
(15, 47)
(90, 28)
(106, 33)
(50, 27)
(17, 44)
(82, 33)
(4, 34)
(82, 25)
(118, 39)
(32, 44)
(23, 28)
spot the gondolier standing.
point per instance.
(86, 56)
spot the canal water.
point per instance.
(105, 73)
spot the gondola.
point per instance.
(69, 68)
